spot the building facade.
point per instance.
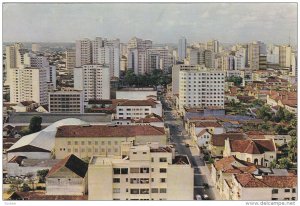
(147, 173)
(66, 102)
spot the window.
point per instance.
(134, 191)
(152, 169)
(154, 190)
(116, 180)
(117, 171)
(163, 159)
(275, 191)
(76, 143)
(144, 170)
(134, 170)
(152, 159)
(69, 142)
(116, 190)
(82, 142)
(124, 171)
(163, 190)
(162, 180)
(287, 190)
(144, 191)
(163, 170)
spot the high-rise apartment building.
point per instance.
(37, 61)
(213, 46)
(83, 52)
(29, 84)
(273, 54)
(51, 76)
(66, 102)
(257, 55)
(158, 58)
(14, 58)
(199, 86)
(136, 55)
(285, 53)
(182, 45)
(149, 172)
(93, 80)
(70, 59)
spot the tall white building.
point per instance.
(213, 46)
(136, 55)
(273, 54)
(147, 173)
(83, 52)
(93, 80)
(14, 58)
(182, 45)
(199, 86)
(158, 58)
(33, 60)
(51, 76)
(285, 53)
(29, 84)
(70, 60)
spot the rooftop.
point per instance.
(219, 139)
(108, 131)
(252, 146)
(42, 196)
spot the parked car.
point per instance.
(198, 197)
(187, 145)
(205, 197)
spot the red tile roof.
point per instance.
(219, 139)
(71, 162)
(109, 131)
(252, 146)
(249, 180)
(207, 124)
(148, 102)
(231, 163)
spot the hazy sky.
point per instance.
(162, 23)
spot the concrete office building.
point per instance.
(158, 58)
(182, 45)
(213, 46)
(37, 61)
(29, 84)
(66, 102)
(199, 86)
(149, 172)
(273, 54)
(93, 80)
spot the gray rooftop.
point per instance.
(39, 162)
(49, 118)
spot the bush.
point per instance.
(40, 188)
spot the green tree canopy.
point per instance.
(35, 124)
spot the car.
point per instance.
(187, 145)
(205, 197)
(198, 197)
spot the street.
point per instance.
(179, 138)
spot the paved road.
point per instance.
(201, 172)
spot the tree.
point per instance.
(273, 164)
(25, 187)
(279, 129)
(279, 116)
(284, 163)
(42, 175)
(292, 149)
(264, 113)
(236, 80)
(15, 185)
(288, 116)
(293, 133)
(35, 124)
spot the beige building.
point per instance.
(257, 151)
(250, 187)
(83, 52)
(285, 54)
(107, 140)
(67, 177)
(70, 59)
(29, 84)
(93, 80)
(147, 173)
(66, 102)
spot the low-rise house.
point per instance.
(285, 99)
(25, 106)
(217, 143)
(222, 170)
(249, 187)
(203, 138)
(257, 151)
(67, 177)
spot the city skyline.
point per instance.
(195, 21)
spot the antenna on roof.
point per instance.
(289, 37)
